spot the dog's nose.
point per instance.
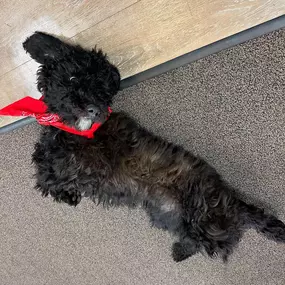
(93, 111)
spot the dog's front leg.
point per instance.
(61, 193)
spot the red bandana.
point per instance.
(31, 107)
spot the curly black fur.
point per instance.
(127, 165)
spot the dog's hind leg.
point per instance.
(165, 217)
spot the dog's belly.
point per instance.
(132, 170)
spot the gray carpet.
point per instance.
(228, 108)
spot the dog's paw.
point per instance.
(178, 252)
(181, 251)
(72, 198)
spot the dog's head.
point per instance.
(76, 84)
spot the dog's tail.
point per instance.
(268, 225)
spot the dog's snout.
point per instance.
(93, 111)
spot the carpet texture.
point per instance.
(230, 109)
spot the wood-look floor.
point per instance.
(136, 34)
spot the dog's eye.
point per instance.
(72, 78)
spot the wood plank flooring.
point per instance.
(137, 34)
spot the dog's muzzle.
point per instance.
(83, 123)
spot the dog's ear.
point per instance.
(43, 47)
(116, 78)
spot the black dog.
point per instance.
(127, 165)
